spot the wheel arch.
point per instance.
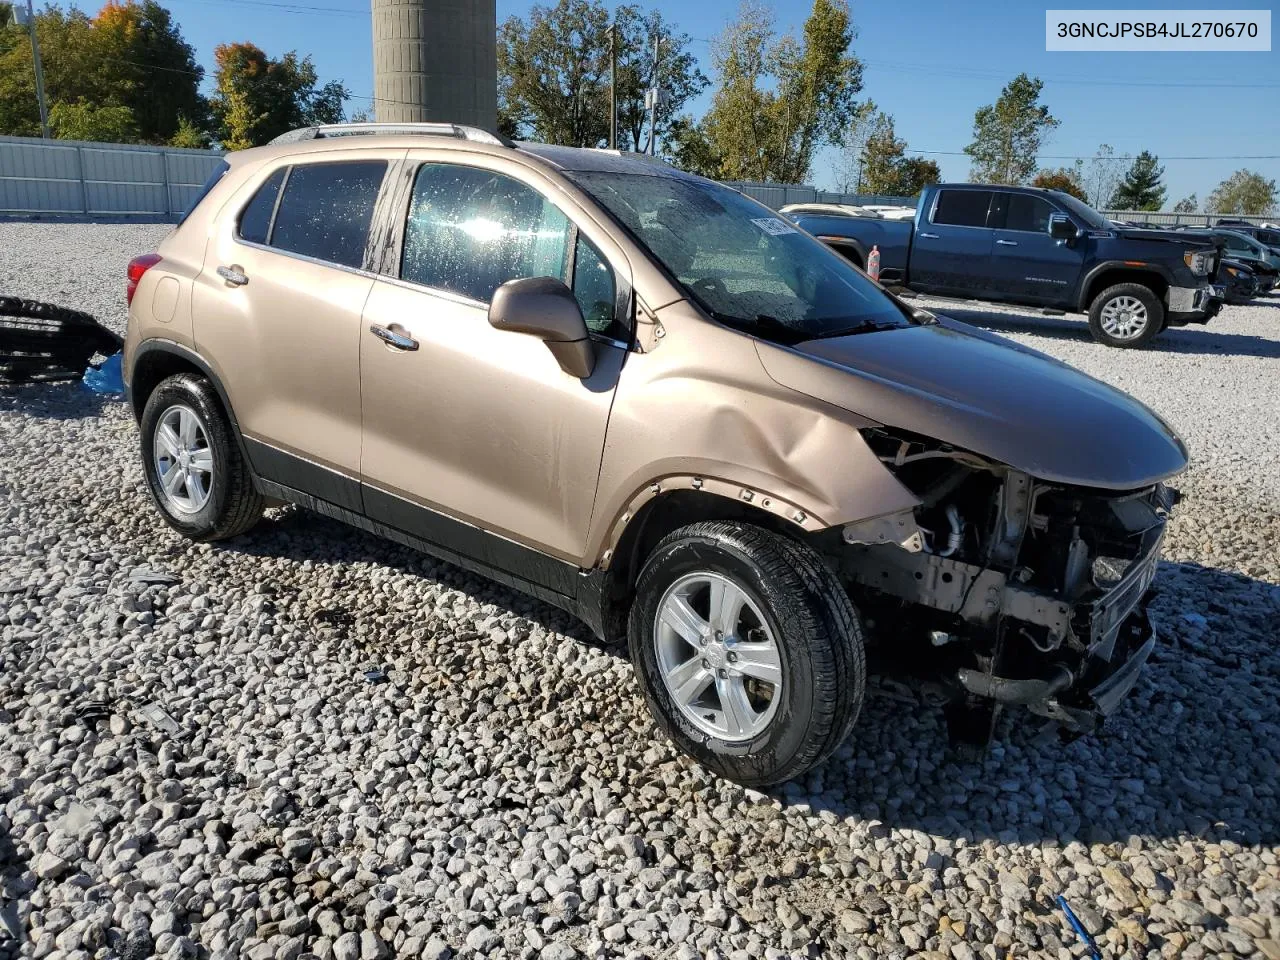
(1117, 271)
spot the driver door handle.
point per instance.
(928, 236)
(393, 337)
(1007, 243)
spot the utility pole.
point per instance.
(653, 98)
(27, 18)
(613, 86)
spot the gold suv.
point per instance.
(642, 396)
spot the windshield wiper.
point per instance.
(866, 326)
(765, 326)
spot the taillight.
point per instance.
(137, 267)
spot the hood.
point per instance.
(1167, 236)
(982, 393)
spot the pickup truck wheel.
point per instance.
(1126, 315)
(196, 476)
(748, 650)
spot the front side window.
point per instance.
(326, 210)
(1027, 213)
(740, 261)
(470, 230)
(962, 208)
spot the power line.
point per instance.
(291, 7)
(1126, 159)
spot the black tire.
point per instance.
(823, 665)
(233, 504)
(1148, 299)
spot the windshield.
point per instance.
(743, 263)
(1091, 217)
(1244, 242)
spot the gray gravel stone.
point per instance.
(251, 795)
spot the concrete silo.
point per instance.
(436, 60)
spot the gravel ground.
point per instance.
(193, 763)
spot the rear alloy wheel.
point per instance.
(1126, 315)
(195, 472)
(748, 650)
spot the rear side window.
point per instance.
(209, 184)
(962, 208)
(255, 219)
(1028, 213)
(326, 210)
(469, 231)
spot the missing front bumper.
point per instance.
(1105, 683)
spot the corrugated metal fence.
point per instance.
(75, 178)
(61, 177)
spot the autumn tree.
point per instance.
(1065, 179)
(1008, 134)
(149, 68)
(258, 98)
(126, 74)
(1243, 192)
(777, 100)
(1141, 188)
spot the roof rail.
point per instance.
(457, 130)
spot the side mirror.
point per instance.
(546, 308)
(1061, 227)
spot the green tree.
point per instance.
(778, 100)
(72, 68)
(1066, 179)
(1243, 192)
(1141, 188)
(1187, 205)
(189, 135)
(554, 73)
(258, 98)
(738, 125)
(887, 170)
(1008, 134)
(678, 75)
(86, 121)
(687, 146)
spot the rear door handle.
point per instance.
(393, 337)
(928, 236)
(233, 275)
(1007, 243)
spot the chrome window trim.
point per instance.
(359, 271)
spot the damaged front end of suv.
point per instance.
(1013, 590)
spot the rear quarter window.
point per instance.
(255, 219)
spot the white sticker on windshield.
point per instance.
(774, 227)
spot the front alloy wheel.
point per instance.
(719, 659)
(748, 650)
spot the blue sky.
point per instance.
(931, 64)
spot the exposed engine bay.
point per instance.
(1005, 590)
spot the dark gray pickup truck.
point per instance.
(1038, 248)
